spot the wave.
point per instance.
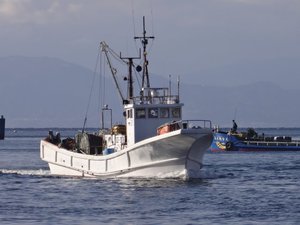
(39, 172)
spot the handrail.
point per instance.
(196, 124)
(273, 143)
(189, 124)
(169, 99)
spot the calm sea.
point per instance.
(236, 188)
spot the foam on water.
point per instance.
(39, 172)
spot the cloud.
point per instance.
(8, 8)
(74, 8)
(33, 11)
(212, 32)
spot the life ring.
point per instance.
(228, 145)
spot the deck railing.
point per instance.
(195, 124)
(184, 125)
(171, 99)
(273, 143)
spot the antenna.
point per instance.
(170, 85)
(144, 40)
(178, 87)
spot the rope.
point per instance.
(138, 79)
(91, 91)
(115, 55)
(102, 85)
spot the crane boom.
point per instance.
(104, 48)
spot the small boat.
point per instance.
(154, 142)
(251, 141)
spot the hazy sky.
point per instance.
(191, 35)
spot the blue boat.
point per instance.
(251, 141)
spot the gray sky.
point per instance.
(192, 36)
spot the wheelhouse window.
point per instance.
(164, 113)
(153, 113)
(176, 112)
(140, 113)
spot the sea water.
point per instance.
(236, 188)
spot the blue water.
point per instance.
(236, 188)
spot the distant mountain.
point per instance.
(283, 71)
(49, 92)
(46, 92)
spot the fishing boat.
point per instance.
(250, 140)
(153, 142)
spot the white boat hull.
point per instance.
(175, 154)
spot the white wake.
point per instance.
(39, 172)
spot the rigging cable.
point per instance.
(91, 91)
(115, 55)
(138, 79)
(102, 91)
(133, 22)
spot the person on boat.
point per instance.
(54, 139)
(234, 127)
(50, 137)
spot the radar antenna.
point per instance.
(144, 40)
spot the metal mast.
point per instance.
(144, 40)
(129, 78)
